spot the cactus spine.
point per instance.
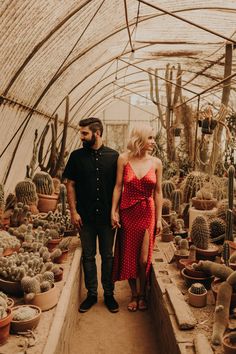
(229, 218)
(200, 233)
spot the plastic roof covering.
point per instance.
(51, 49)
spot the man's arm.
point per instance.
(71, 197)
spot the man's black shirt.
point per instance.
(94, 174)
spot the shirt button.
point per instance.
(97, 198)
(97, 189)
(97, 179)
(96, 158)
(97, 210)
(97, 169)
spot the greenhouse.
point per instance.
(80, 81)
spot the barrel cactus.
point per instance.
(197, 288)
(167, 188)
(44, 183)
(192, 183)
(200, 232)
(217, 226)
(26, 192)
(166, 206)
(176, 199)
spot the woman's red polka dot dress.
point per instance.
(137, 214)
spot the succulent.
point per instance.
(166, 206)
(197, 288)
(226, 253)
(184, 247)
(64, 244)
(192, 253)
(167, 189)
(26, 192)
(57, 252)
(44, 183)
(217, 226)
(200, 232)
(24, 313)
(192, 183)
(218, 270)
(176, 199)
(45, 286)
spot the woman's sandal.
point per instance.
(142, 303)
(133, 304)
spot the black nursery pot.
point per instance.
(208, 126)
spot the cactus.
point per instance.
(217, 226)
(204, 193)
(192, 253)
(26, 192)
(226, 253)
(232, 258)
(45, 286)
(200, 232)
(176, 199)
(184, 247)
(232, 279)
(30, 285)
(2, 204)
(197, 288)
(177, 240)
(64, 244)
(55, 254)
(167, 188)
(24, 313)
(48, 276)
(218, 270)
(192, 183)
(221, 315)
(166, 206)
(229, 218)
(62, 198)
(44, 183)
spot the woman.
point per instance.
(136, 210)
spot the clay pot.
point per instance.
(53, 243)
(45, 300)
(189, 270)
(59, 276)
(184, 262)
(10, 302)
(204, 204)
(5, 326)
(47, 203)
(62, 258)
(197, 300)
(189, 280)
(229, 343)
(209, 254)
(215, 287)
(167, 237)
(11, 287)
(178, 257)
(183, 233)
(25, 325)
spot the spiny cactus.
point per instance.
(167, 189)
(192, 253)
(64, 244)
(221, 315)
(218, 270)
(55, 254)
(30, 285)
(62, 198)
(217, 226)
(197, 288)
(24, 313)
(200, 232)
(26, 192)
(226, 253)
(44, 183)
(192, 183)
(45, 286)
(184, 247)
(166, 206)
(230, 216)
(176, 199)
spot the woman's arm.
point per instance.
(158, 198)
(115, 220)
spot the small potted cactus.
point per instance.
(182, 252)
(25, 318)
(229, 343)
(204, 199)
(166, 233)
(5, 319)
(197, 295)
(45, 190)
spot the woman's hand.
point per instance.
(115, 220)
(76, 220)
(158, 228)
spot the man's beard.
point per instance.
(89, 143)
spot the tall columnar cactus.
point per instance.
(200, 232)
(192, 183)
(229, 220)
(197, 288)
(167, 188)
(226, 253)
(63, 198)
(192, 253)
(176, 199)
(218, 270)
(166, 206)
(26, 192)
(44, 183)
(1, 197)
(221, 315)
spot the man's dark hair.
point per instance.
(94, 124)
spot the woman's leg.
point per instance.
(143, 266)
(133, 304)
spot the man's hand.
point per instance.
(76, 220)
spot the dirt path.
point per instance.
(100, 332)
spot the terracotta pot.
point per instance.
(11, 287)
(71, 232)
(26, 325)
(189, 270)
(10, 302)
(183, 233)
(229, 345)
(189, 280)
(46, 300)
(53, 243)
(167, 237)
(47, 203)
(5, 326)
(204, 204)
(184, 262)
(59, 276)
(209, 254)
(215, 287)
(197, 300)
(178, 257)
(62, 258)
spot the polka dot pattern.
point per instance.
(137, 214)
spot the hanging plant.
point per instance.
(207, 122)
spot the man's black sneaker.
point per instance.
(111, 303)
(88, 303)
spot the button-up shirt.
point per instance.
(94, 174)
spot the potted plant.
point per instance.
(5, 319)
(204, 200)
(45, 190)
(229, 343)
(25, 318)
(197, 295)
(60, 254)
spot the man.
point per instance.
(91, 174)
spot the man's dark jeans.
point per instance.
(88, 236)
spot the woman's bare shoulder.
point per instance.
(124, 158)
(156, 162)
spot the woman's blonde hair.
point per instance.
(138, 139)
